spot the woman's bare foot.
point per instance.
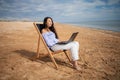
(75, 65)
(77, 68)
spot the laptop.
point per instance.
(73, 36)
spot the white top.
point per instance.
(50, 38)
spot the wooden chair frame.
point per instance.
(50, 53)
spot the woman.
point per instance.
(51, 38)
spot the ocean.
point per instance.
(112, 25)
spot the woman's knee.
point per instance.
(76, 43)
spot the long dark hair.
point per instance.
(52, 26)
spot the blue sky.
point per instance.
(60, 10)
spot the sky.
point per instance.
(60, 10)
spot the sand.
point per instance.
(99, 51)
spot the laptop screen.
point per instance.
(72, 36)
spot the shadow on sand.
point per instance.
(43, 57)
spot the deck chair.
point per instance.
(51, 53)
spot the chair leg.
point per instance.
(67, 56)
(53, 60)
(38, 48)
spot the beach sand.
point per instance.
(99, 51)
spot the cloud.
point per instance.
(60, 9)
(113, 2)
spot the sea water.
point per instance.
(113, 25)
